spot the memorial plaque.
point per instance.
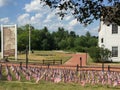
(9, 40)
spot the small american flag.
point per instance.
(37, 80)
(16, 75)
(57, 79)
(83, 83)
(19, 78)
(115, 83)
(7, 70)
(9, 77)
(28, 77)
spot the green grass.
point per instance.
(89, 60)
(16, 85)
(38, 56)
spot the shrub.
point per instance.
(99, 54)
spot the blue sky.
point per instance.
(23, 12)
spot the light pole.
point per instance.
(29, 39)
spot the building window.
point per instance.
(102, 40)
(114, 51)
(114, 28)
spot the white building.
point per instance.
(109, 37)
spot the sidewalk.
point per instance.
(76, 59)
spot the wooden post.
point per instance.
(53, 62)
(48, 65)
(43, 61)
(77, 68)
(20, 65)
(80, 62)
(61, 61)
(26, 56)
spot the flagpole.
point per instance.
(29, 40)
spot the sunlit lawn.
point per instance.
(38, 56)
(16, 85)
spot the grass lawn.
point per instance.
(38, 56)
(16, 85)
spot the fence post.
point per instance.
(53, 62)
(48, 65)
(0, 67)
(80, 62)
(26, 57)
(61, 61)
(20, 65)
(43, 61)
(77, 67)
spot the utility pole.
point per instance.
(29, 39)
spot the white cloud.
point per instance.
(4, 2)
(4, 20)
(94, 31)
(27, 19)
(68, 18)
(73, 22)
(40, 16)
(50, 17)
(36, 19)
(23, 19)
(33, 6)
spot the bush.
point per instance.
(94, 53)
(99, 54)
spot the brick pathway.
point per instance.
(76, 59)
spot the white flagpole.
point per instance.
(16, 42)
(29, 40)
(2, 41)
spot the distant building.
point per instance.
(109, 37)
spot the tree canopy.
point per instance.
(85, 11)
(42, 39)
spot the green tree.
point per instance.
(70, 43)
(22, 38)
(61, 39)
(45, 45)
(58, 36)
(72, 34)
(105, 54)
(35, 40)
(63, 44)
(86, 11)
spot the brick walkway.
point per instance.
(76, 59)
